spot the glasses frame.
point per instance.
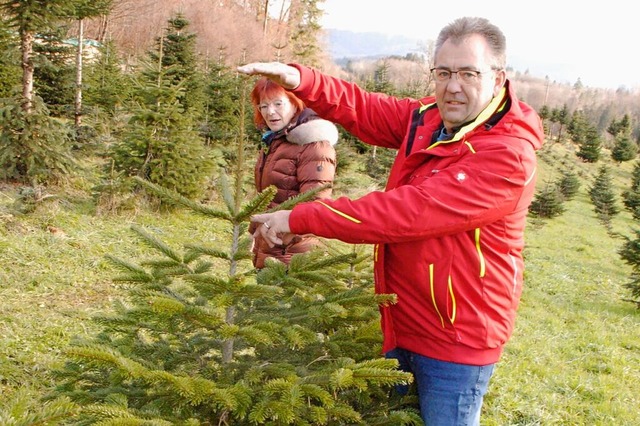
(475, 78)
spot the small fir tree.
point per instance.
(631, 196)
(9, 62)
(591, 146)
(617, 127)
(175, 51)
(222, 105)
(603, 197)
(54, 75)
(34, 147)
(568, 184)
(200, 344)
(548, 202)
(630, 253)
(161, 143)
(105, 84)
(624, 148)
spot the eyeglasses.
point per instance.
(277, 104)
(442, 75)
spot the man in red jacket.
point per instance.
(448, 229)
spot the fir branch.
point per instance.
(256, 205)
(228, 197)
(175, 198)
(134, 272)
(156, 243)
(300, 198)
(18, 411)
(207, 251)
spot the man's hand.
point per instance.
(285, 75)
(274, 227)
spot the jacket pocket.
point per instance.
(442, 295)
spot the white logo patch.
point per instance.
(461, 176)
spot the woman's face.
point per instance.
(277, 112)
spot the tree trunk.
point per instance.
(78, 100)
(26, 45)
(266, 17)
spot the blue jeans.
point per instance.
(450, 394)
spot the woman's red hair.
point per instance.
(267, 89)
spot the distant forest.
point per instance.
(238, 30)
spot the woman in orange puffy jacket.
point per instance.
(297, 154)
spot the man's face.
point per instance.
(461, 99)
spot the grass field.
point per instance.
(574, 358)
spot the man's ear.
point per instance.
(500, 80)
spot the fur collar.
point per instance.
(314, 130)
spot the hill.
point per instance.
(572, 359)
(348, 44)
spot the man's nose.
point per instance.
(453, 85)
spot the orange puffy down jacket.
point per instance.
(296, 159)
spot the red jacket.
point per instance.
(448, 230)
(295, 160)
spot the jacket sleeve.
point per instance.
(317, 167)
(374, 118)
(479, 189)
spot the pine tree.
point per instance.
(624, 149)
(568, 184)
(603, 197)
(548, 202)
(304, 30)
(9, 62)
(161, 143)
(631, 196)
(590, 148)
(106, 86)
(630, 253)
(222, 105)
(34, 148)
(200, 344)
(54, 71)
(176, 52)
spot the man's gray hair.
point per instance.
(461, 28)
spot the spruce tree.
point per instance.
(222, 106)
(54, 78)
(203, 339)
(548, 202)
(34, 148)
(105, 84)
(630, 253)
(176, 52)
(624, 148)
(9, 62)
(161, 142)
(602, 195)
(591, 146)
(568, 184)
(631, 196)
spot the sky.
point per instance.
(562, 39)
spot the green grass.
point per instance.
(574, 358)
